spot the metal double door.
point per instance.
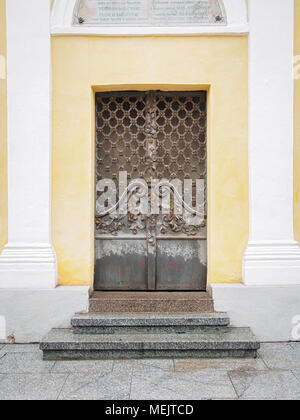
(150, 150)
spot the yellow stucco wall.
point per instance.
(3, 125)
(297, 126)
(80, 63)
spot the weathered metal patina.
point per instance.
(156, 138)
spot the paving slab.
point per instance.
(23, 375)
(149, 364)
(158, 384)
(266, 385)
(13, 363)
(143, 365)
(190, 365)
(106, 386)
(88, 366)
(124, 365)
(2, 353)
(295, 344)
(31, 387)
(296, 372)
(20, 348)
(280, 355)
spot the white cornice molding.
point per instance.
(62, 17)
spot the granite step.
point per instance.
(227, 342)
(102, 323)
(154, 302)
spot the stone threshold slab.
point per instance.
(154, 302)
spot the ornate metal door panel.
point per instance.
(145, 141)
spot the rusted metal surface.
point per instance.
(150, 135)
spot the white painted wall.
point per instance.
(28, 260)
(272, 256)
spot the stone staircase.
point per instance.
(129, 331)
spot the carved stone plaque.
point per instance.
(149, 12)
